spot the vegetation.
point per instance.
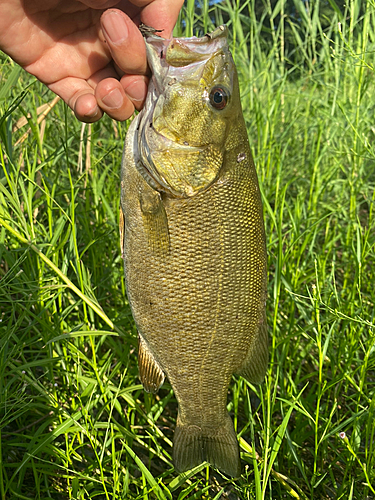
(74, 421)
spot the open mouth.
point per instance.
(165, 159)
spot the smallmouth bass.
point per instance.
(193, 242)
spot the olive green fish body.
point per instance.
(195, 268)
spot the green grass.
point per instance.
(75, 422)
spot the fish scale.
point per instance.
(195, 259)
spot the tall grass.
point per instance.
(74, 421)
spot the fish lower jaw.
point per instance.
(163, 141)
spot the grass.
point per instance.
(74, 421)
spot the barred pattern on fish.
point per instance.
(193, 242)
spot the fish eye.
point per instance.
(218, 98)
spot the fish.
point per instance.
(193, 243)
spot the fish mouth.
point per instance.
(170, 61)
(170, 55)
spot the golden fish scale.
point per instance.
(199, 306)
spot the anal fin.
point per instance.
(150, 372)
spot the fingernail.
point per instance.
(114, 99)
(137, 91)
(92, 113)
(115, 27)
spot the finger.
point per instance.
(79, 96)
(124, 41)
(112, 99)
(101, 93)
(112, 95)
(86, 108)
(135, 87)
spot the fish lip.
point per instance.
(154, 59)
(143, 157)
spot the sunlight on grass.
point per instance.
(74, 420)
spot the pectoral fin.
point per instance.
(155, 221)
(150, 372)
(255, 365)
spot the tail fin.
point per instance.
(193, 445)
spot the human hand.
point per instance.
(93, 58)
